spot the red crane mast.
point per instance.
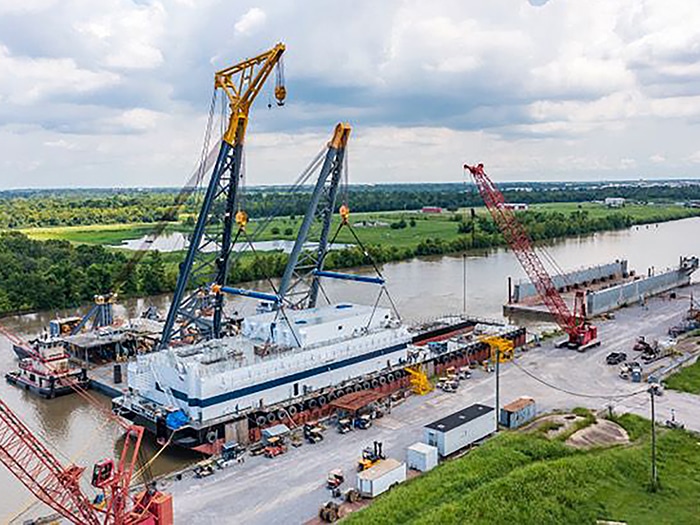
(581, 334)
(58, 486)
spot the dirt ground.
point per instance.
(602, 433)
(566, 421)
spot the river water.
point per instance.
(176, 241)
(421, 288)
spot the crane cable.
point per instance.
(369, 257)
(153, 458)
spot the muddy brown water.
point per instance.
(422, 288)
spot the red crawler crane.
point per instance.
(582, 335)
(59, 486)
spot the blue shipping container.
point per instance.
(518, 412)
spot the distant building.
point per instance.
(516, 206)
(614, 202)
(431, 209)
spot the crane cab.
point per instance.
(103, 473)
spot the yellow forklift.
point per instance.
(370, 456)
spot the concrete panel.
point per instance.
(616, 269)
(602, 301)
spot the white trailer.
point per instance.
(381, 477)
(421, 457)
(461, 429)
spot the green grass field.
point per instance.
(106, 234)
(523, 479)
(638, 212)
(426, 225)
(686, 380)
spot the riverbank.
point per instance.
(376, 227)
(62, 278)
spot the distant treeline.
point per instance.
(44, 275)
(40, 208)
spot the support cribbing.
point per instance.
(299, 286)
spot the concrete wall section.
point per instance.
(525, 289)
(624, 294)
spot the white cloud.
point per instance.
(137, 119)
(35, 80)
(127, 37)
(557, 90)
(657, 158)
(251, 21)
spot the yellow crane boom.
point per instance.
(242, 82)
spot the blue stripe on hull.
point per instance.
(253, 389)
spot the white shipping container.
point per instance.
(461, 429)
(422, 457)
(381, 477)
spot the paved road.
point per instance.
(290, 488)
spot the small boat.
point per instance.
(46, 371)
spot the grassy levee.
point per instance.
(686, 379)
(519, 479)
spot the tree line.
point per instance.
(44, 275)
(39, 208)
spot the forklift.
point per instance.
(363, 422)
(231, 451)
(370, 456)
(344, 425)
(334, 480)
(313, 433)
(275, 447)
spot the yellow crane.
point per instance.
(242, 83)
(500, 346)
(420, 383)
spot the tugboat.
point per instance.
(47, 372)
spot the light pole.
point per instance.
(464, 282)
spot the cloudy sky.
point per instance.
(116, 92)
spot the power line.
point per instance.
(579, 394)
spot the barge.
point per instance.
(290, 368)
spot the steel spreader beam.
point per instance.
(252, 294)
(350, 277)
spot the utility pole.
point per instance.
(464, 282)
(653, 392)
(498, 359)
